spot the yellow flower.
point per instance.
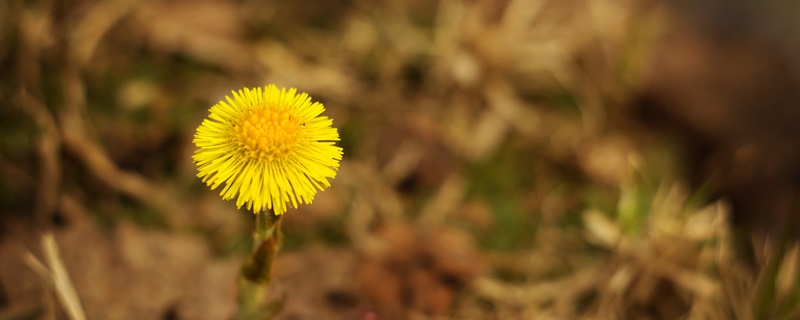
(269, 146)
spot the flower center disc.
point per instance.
(267, 134)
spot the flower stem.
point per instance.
(255, 274)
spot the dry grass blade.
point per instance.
(57, 277)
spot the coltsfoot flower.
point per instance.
(270, 147)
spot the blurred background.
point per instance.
(503, 159)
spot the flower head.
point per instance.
(269, 146)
